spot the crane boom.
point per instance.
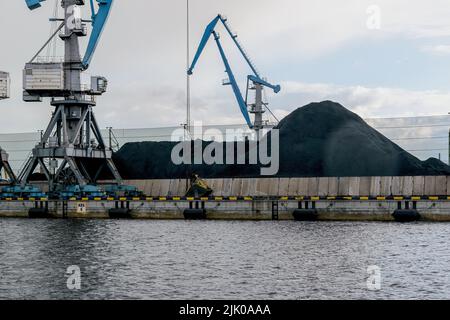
(203, 42)
(99, 20)
(33, 4)
(232, 81)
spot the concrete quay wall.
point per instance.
(327, 210)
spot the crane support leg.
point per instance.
(6, 167)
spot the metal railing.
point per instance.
(114, 144)
(49, 59)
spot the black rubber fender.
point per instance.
(39, 213)
(406, 215)
(194, 214)
(305, 215)
(119, 213)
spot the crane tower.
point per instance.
(72, 150)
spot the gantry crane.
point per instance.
(72, 150)
(4, 161)
(254, 81)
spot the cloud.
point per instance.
(142, 53)
(369, 102)
(140, 106)
(441, 50)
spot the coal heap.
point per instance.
(152, 160)
(326, 139)
(321, 140)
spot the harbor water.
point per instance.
(140, 259)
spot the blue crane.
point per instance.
(255, 78)
(98, 21)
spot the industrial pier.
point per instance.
(230, 208)
(341, 199)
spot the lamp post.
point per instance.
(188, 78)
(448, 162)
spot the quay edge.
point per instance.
(255, 210)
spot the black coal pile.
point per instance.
(320, 139)
(326, 139)
(152, 160)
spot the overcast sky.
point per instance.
(317, 50)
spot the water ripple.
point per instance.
(222, 259)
